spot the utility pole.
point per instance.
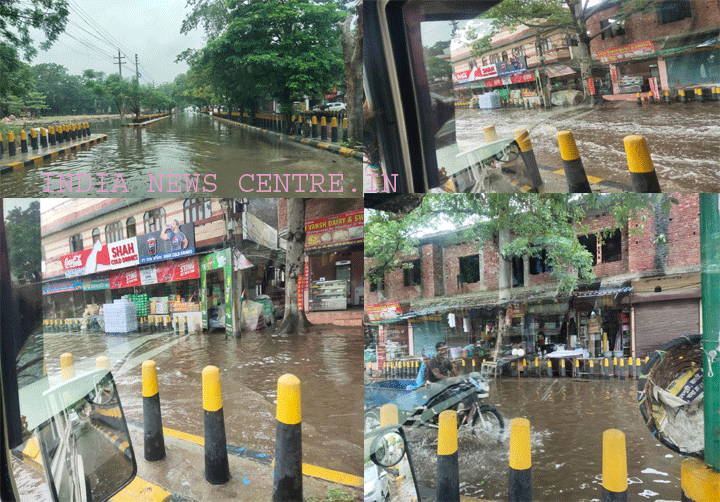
(120, 62)
(137, 87)
(137, 72)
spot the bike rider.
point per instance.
(440, 367)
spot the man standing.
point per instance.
(176, 238)
(440, 367)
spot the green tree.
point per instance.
(22, 227)
(17, 18)
(65, 94)
(13, 104)
(118, 89)
(535, 222)
(36, 102)
(15, 77)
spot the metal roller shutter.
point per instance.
(657, 323)
(426, 334)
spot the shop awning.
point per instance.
(601, 292)
(558, 70)
(557, 307)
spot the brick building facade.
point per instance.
(637, 275)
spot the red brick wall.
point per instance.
(705, 15)
(596, 224)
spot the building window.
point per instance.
(470, 269)
(518, 272)
(518, 52)
(196, 209)
(76, 243)
(113, 232)
(539, 264)
(504, 56)
(590, 243)
(544, 47)
(611, 28)
(495, 58)
(130, 226)
(673, 10)
(96, 235)
(376, 286)
(154, 220)
(412, 276)
(484, 61)
(612, 247)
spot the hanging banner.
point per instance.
(334, 232)
(240, 262)
(591, 85)
(101, 257)
(637, 50)
(96, 283)
(125, 278)
(174, 241)
(300, 292)
(513, 65)
(383, 311)
(178, 270)
(62, 287)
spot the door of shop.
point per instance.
(658, 322)
(426, 334)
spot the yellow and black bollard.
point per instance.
(334, 130)
(622, 368)
(614, 467)
(102, 362)
(520, 478)
(287, 482)
(699, 95)
(217, 468)
(345, 129)
(615, 367)
(666, 96)
(606, 368)
(11, 143)
(537, 367)
(638, 364)
(681, 93)
(630, 367)
(576, 368)
(58, 135)
(67, 366)
(34, 144)
(591, 373)
(66, 132)
(651, 97)
(23, 141)
(448, 470)
(639, 99)
(522, 136)
(152, 418)
(642, 171)
(88, 129)
(43, 137)
(73, 132)
(314, 127)
(698, 481)
(575, 176)
(323, 128)
(549, 368)
(563, 371)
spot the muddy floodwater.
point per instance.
(567, 420)
(682, 138)
(212, 153)
(327, 360)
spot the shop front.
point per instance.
(334, 262)
(603, 321)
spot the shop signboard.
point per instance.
(381, 356)
(220, 259)
(148, 275)
(591, 85)
(637, 50)
(174, 241)
(334, 232)
(62, 287)
(383, 311)
(125, 278)
(506, 80)
(101, 257)
(95, 283)
(177, 270)
(522, 77)
(461, 76)
(300, 292)
(558, 70)
(486, 71)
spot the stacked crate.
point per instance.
(120, 317)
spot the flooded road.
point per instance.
(682, 138)
(567, 420)
(328, 362)
(187, 143)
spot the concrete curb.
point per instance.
(143, 124)
(340, 150)
(39, 159)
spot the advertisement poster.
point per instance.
(513, 65)
(178, 270)
(148, 275)
(125, 278)
(383, 311)
(174, 241)
(300, 292)
(591, 85)
(486, 71)
(334, 232)
(626, 52)
(220, 259)
(62, 287)
(101, 257)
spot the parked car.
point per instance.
(377, 486)
(335, 107)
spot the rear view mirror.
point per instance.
(85, 444)
(388, 449)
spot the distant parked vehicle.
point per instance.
(335, 107)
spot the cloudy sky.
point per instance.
(148, 28)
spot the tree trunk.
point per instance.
(294, 320)
(504, 272)
(353, 59)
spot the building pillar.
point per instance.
(526, 271)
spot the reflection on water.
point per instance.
(327, 360)
(186, 143)
(567, 422)
(682, 138)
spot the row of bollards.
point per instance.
(682, 96)
(319, 128)
(614, 459)
(287, 477)
(155, 323)
(605, 368)
(50, 136)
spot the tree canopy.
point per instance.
(536, 222)
(17, 18)
(22, 227)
